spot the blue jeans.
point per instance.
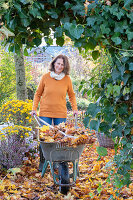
(56, 121)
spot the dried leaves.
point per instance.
(79, 135)
(27, 183)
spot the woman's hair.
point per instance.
(65, 61)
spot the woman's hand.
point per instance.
(33, 112)
(75, 112)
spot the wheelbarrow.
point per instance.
(60, 155)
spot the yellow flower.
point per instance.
(44, 128)
(27, 134)
(30, 120)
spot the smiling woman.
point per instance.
(51, 94)
(59, 66)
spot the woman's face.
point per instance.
(59, 66)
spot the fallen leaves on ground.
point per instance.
(27, 183)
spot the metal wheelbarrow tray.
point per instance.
(48, 150)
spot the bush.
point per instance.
(17, 112)
(31, 89)
(82, 104)
(13, 144)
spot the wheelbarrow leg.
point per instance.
(75, 170)
(42, 159)
(45, 165)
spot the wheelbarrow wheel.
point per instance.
(64, 178)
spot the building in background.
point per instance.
(40, 57)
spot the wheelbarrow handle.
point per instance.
(36, 118)
(75, 120)
(44, 122)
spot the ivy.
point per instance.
(52, 13)
(95, 54)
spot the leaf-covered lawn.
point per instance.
(26, 183)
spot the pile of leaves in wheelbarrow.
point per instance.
(72, 136)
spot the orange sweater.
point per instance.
(51, 94)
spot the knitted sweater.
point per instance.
(51, 94)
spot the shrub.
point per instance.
(13, 145)
(15, 138)
(12, 151)
(82, 104)
(17, 112)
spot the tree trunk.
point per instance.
(20, 76)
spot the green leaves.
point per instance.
(17, 6)
(130, 16)
(109, 113)
(94, 125)
(127, 4)
(129, 34)
(131, 66)
(92, 110)
(104, 127)
(26, 52)
(8, 17)
(120, 14)
(125, 78)
(116, 90)
(117, 40)
(79, 8)
(37, 41)
(91, 5)
(109, 90)
(117, 131)
(115, 74)
(52, 13)
(86, 121)
(95, 54)
(91, 20)
(113, 90)
(13, 24)
(24, 1)
(55, 2)
(60, 41)
(122, 110)
(91, 44)
(58, 32)
(101, 151)
(35, 12)
(104, 29)
(76, 30)
(126, 90)
(67, 5)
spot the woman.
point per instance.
(51, 93)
